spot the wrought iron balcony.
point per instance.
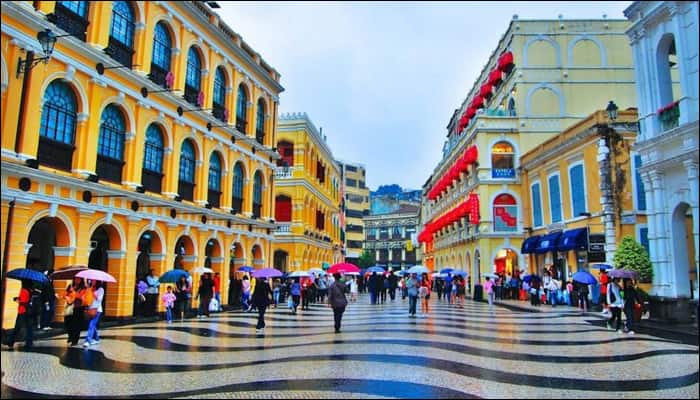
(191, 95)
(69, 21)
(55, 154)
(109, 169)
(219, 112)
(213, 197)
(186, 190)
(260, 136)
(152, 181)
(284, 229)
(241, 125)
(236, 205)
(120, 52)
(158, 75)
(283, 172)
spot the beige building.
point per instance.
(307, 197)
(356, 202)
(389, 236)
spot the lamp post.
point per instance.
(606, 187)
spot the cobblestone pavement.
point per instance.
(381, 353)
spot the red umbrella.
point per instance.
(343, 268)
(67, 273)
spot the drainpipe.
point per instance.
(607, 199)
(5, 257)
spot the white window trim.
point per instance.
(638, 234)
(571, 192)
(532, 201)
(549, 194)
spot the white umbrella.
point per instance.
(351, 273)
(202, 270)
(490, 275)
(318, 271)
(298, 274)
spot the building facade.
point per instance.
(307, 198)
(390, 237)
(145, 141)
(356, 205)
(543, 76)
(567, 221)
(664, 39)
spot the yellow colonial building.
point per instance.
(581, 194)
(542, 77)
(307, 197)
(144, 140)
(356, 207)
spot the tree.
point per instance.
(633, 256)
(366, 259)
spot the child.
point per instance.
(169, 303)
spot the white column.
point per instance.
(692, 169)
(663, 250)
(651, 225)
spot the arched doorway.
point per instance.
(105, 238)
(684, 272)
(236, 259)
(148, 245)
(184, 254)
(99, 245)
(42, 238)
(280, 260)
(506, 261)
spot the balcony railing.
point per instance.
(284, 228)
(120, 52)
(158, 75)
(219, 112)
(69, 21)
(256, 210)
(236, 205)
(55, 154)
(152, 181)
(283, 172)
(669, 116)
(260, 136)
(109, 169)
(213, 197)
(241, 125)
(186, 190)
(191, 95)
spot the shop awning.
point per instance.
(573, 239)
(530, 244)
(547, 243)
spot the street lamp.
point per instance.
(612, 110)
(47, 39)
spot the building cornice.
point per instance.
(294, 182)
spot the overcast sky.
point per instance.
(383, 79)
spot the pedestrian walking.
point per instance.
(245, 296)
(383, 289)
(74, 310)
(373, 288)
(337, 300)
(631, 301)
(183, 292)
(488, 287)
(295, 291)
(24, 318)
(424, 294)
(604, 282)
(205, 294)
(151, 293)
(583, 296)
(412, 291)
(49, 297)
(616, 303)
(262, 297)
(461, 291)
(353, 289)
(277, 287)
(169, 299)
(93, 312)
(393, 285)
(217, 291)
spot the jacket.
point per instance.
(336, 295)
(261, 294)
(619, 301)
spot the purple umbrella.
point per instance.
(623, 273)
(266, 273)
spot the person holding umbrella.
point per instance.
(74, 309)
(337, 300)
(262, 297)
(205, 294)
(412, 290)
(24, 319)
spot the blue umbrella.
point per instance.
(376, 268)
(528, 278)
(460, 272)
(246, 268)
(417, 269)
(25, 273)
(584, 277)
(601, 266)
(446, 270)
(173, 276)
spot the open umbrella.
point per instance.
(417, 269)
(460, 272)
(376, 268)
(202, 270)
(298, 274)
(584, 277)
(623, 273)
(317, 271)
(26, 273)
(266, 273)
(529, 278)
(446, 270)
(350, 273)
(490, 275)
(601, 266)
(245, 268)
(96, 275)
(173, 276)
(67, 273)
(343, 268)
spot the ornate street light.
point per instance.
(47, 39)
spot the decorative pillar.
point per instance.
(607, 199)
(663, 261)
(692, 169)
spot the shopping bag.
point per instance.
(213, 305)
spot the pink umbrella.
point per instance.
(343, 268)
(96, 275)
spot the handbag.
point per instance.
(91, 312)
(68, 310)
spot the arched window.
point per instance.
(214, 180)
(153, 159)
(257, 195)
(578, 190)
(237, 203)
(71, 16)
(505, 213)
(188, 161)
(502, 164)
(666, 73)
(193, 78)
(110, 145)
(241, 109)
(58, 125)
(121, 33)
(260, 122)
(218, 106)
(160, 62)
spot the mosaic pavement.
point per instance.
(380, 353)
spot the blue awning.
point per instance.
(530, 244)
(573, 239)
(547, 243)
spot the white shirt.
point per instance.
(353, 286)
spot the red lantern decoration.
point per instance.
(495, 77)
(486, 90)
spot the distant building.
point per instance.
(355, 205)
(391, 237)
